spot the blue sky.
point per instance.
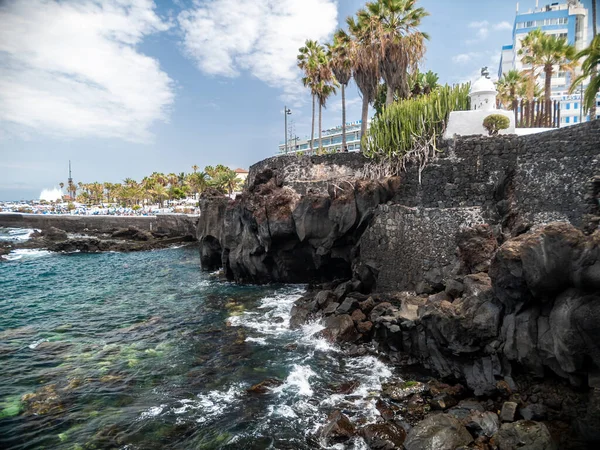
(123, 88)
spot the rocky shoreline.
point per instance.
(130, 239)
(485, 274)
(511, 379)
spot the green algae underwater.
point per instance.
(144, 351)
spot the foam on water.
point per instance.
(211, 405)
(26, 253)
(15, 234)
(36, 343)
(298, 381)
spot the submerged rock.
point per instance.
(264, 386)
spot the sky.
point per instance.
(123, 88)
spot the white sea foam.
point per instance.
(26, 253)
(261, 341)
(36, 343)
(211, 404)
(152, 412)
(15, 234)
(298, 381)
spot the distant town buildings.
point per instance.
(332, 140)
(241, 174)
(569, 19)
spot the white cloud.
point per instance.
(227, 37)
(72, 69)
(465, 57)
(482, 24)
(501, 26)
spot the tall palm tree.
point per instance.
(401, 44)
(341, 65)
(195, 168)
(548, 51)
(508, 86)
(309, 61)
(365, 56)
(594, 68)
(324, 90)
(528, 57)
(589, 69)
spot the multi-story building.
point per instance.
(569, 19)
(332, 140)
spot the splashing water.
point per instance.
(51, 195)
(142, 350)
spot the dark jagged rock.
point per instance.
(264, 386)
(383, 436)
(273, 234)
(482, 423)
(476, 246)
(438, 432)
(338, 428)
(524, 434)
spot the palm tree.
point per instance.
(508, 85)
(528, 55)
(62, 185)
(365, 59)
(341, 65)
(324, 90)
(589, 69)
(594, 68)
(402, 46)
(195, 168)
(309, 61)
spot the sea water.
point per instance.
(145, 351)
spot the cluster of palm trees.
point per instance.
(158, 187)
(546, 53)
(382, 42)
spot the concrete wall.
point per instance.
(173, 224)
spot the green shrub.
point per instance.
(394, 131)
(496, 122)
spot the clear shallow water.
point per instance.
(143, 351)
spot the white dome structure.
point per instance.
(483, 103)
(483, 94)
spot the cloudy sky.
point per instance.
(123, 88)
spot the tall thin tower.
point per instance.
(70, 185)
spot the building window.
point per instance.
(576, 106)
(568, 106)
(563, 20)
(575, 119)
(567, 120)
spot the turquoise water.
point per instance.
(144, 351)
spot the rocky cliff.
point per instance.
(486, 271)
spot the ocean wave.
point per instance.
(16, 255)
(15, 234)
(298, 381)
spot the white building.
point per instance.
(569, 19)
(332, 140)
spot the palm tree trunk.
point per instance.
(312, 135)
(594, 70)
(365, 116)
(320, 127)
(389, 95)
(344, 146)
(547, 90)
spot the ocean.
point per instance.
(146, 351)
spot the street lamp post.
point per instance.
(286, 112)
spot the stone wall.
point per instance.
(413, 245)
(516, 182)
(172, 224)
